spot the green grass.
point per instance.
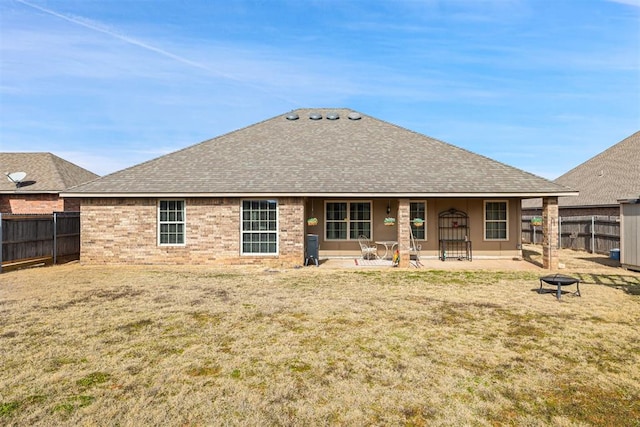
(93, 379)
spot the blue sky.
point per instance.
(542, 85)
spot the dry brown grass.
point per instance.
(137, 346)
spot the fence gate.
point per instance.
(39, 239)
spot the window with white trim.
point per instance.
(259, 228)
(347, 220)
(171, 222)
(418, 211)
(496, 220)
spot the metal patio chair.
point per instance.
(368, 250)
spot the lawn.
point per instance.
(181, 346)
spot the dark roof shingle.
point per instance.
(46, 173)
(305, 156)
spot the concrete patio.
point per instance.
(435, 264)
(570, 260)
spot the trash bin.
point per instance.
(313, 249)
(614, 254)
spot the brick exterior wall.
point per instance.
(71, 205)
(35, 204)
(124, 231)
(403, 237)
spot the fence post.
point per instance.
(1, 242)
(559, 232)
(55, 237)
(593, 234)
(533, 234)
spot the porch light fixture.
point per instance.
(389, 220)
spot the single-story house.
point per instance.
(245, 197)
(601, 181)
(34, 181)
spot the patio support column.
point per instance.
(550, 233)
(403, 235)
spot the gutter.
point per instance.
(316, 194)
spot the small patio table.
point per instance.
(560, 280)
(388, 247)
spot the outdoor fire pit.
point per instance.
(560, 280)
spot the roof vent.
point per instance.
(292, 116)
(333, 116)
(354, 116)
(315, 116)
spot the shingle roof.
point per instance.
(46, 173)
(332, 157)
(604, 179)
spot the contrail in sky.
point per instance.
(92, 25)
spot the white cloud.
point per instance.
(210, 69)
(77, 85)
(635, 3)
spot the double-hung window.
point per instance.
(347, 220)
(417, 212)
(495, 220)
(259, 230)
(171, 222)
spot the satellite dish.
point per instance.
(16, 177)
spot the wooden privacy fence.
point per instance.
(39, 239)
(595, 234)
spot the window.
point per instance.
(259, 233)
(171, 222)
(336, 224)
(347, 220)
(495, 220)
(418, 210)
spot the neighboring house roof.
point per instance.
(343, 156)
(46, 173)
(604, 179)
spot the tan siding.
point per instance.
(473, 207)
